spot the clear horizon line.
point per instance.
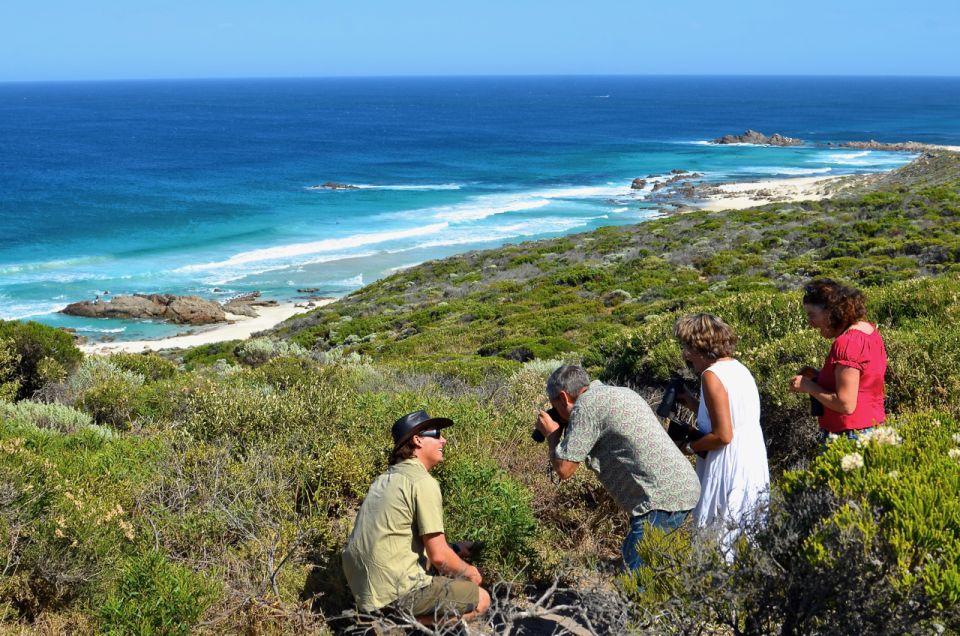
(474, 76)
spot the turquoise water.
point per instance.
(206, 187)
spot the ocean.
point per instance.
(209, 187)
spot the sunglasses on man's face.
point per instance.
(435, 433)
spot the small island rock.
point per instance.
(758, 138)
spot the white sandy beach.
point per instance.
(239, 328)
(746, 194)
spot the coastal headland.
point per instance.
(681, 192)
(142, 475)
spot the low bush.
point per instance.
(483, 504)
(64, 514)
(9, 382)
(259, 351)
(42, 354)
(105, 391)
(154, 596)
(880, 514)
(148, 365)
(53, 417)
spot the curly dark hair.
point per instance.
(844, 305)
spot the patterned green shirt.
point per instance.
(616, 433)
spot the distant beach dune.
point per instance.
(239, 328)
(747, 194)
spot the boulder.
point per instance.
(638, 184)
(754, 137)
(190, 310)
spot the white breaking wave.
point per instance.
(294, 250)
(486, 205)
(466, 236)
(19, 311)
(400, 268)
(353, 281)
(95, 330)
(784, 170)
(863, 158)
(371, 186)
(441, 186)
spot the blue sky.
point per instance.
(117, 39)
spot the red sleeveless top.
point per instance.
(867, 353)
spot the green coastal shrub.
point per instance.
(258, 351)
(484, 504)
(65, 517)
(105, 391)
(880, 515)
(42, 354)
(209, 354)
(155, 596)
(149, 365)
(9, 382)
(53, 417)
(285, 372)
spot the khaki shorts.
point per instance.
(441, 597)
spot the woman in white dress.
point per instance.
(732, 462)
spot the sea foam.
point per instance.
(483, 206)
(295, 250)
(775, 170)
(371, 186)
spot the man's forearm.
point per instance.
(449, 563)
(563, 468)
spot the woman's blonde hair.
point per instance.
(706, 334)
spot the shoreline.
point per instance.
(240, 328)
(735, 195)
(739, 195)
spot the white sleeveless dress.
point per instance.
(735, 479)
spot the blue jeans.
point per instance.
(666, 521)
(823, 435)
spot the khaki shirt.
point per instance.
(384, 558)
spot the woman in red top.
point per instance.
(850, 383)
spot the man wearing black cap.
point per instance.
(400, 527)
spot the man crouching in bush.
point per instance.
(614, 430)
(400, 519)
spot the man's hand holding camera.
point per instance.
(548, 426)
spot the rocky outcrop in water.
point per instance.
(678, 177)
(901, 146)
(333, 185)
(185, 310)
(754, 137)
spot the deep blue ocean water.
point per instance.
(205, 186)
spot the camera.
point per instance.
(816, 407)
(538, 436)
(678, 431)
(669, 400)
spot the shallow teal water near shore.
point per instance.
(204, 187)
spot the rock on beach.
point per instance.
(187, 310)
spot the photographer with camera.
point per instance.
(616, 433)
(732, 467)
